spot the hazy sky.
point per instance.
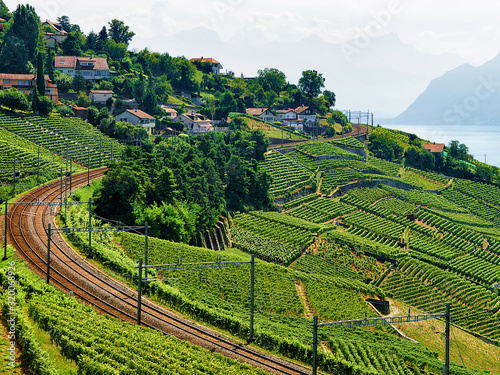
(467, 28)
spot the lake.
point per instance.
(483, 141)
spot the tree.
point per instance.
(4, 11)
(45, 105)
(272, 79)
(458, 150)
(72, 45)
(91, 41)
(49, 64)
(14, 56)
(14, 99)
(40, 76)
(120, 190)
(119, 32)
(79, 82)
(64, 22)
(330, 97)
(150, 101)
(25, 28)
(311, 83)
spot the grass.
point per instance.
(271, 131)
(473, 352)
(63, 365)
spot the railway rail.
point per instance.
(71, 272)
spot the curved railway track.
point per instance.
(69, 271)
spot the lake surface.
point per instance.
(483, 141)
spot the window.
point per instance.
(61, 62)
(6, 81)
(87, 74)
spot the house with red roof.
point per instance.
(137, 117)
(216, 66)
(263, 113)
(90, 67)
(26, 83)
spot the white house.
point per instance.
(289, 117)
(216, 66)
(195, 124)
(286, 114)
(263, 113)
(306, 113)
(100, 96)
(91, 68)
(136, 116)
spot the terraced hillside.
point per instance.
(66, 137)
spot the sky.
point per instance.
(469, 30)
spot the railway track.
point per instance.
(70, 272)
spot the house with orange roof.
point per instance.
(216, 66)
(263, 113)
(90, 67)
(26, 83)
(138, 117)
(434, 148)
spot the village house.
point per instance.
(216, 66)
(55, 38)
(100, 96)
(434, 148)
(195, 124)
(263, 113)
(138, 117)
(91, 68)
(171, 112)
(26, 83)
(306, 113)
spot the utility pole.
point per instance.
(315, 345)
(90, 228)
(139, 293)
(88, 166)
(5, 231)
(446, 369)
(252, 277)
(14, 179)
(146, 252)
(48, 253)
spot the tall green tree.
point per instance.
(65, 23)
(25, 28)
(119, 32)
(3, 9)
(311, 83)
(40, 75)
(91, 41)
(272, 79)
(49, 64)
(14, 56)
(72, 45)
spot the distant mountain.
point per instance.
(465, 95)
(384, 75)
